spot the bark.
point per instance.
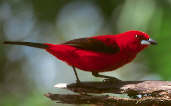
(152, 93)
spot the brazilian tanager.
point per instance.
(98, 53)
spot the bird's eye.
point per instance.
(140, 37)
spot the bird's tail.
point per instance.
(31, 44)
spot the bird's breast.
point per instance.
(89, 60)
(100, 62)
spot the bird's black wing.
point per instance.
(93, 45)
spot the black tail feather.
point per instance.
(31, 44)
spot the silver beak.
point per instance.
(149, 42)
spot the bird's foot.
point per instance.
(78, 82)
(113, 80)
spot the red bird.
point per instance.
(98, 53)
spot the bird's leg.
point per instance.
(75, 72)
(108, 78)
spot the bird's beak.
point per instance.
(149, 42)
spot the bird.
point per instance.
(96, 54)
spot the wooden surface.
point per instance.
(156, 93)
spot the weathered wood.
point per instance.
(154, 88)
(157, 93)
(108, 100)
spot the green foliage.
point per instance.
(33, 99)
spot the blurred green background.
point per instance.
(26, 74)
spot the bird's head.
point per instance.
(136, 40)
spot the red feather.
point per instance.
(98, 53)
